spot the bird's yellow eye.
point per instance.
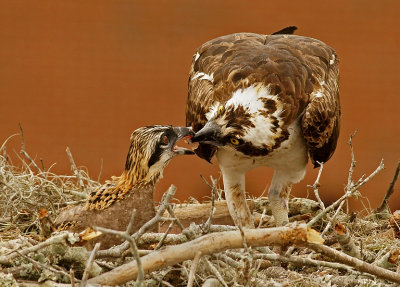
(220, 110)
(234, 141)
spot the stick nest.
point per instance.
(27, 252)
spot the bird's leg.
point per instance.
(234, 185)
(278, 195)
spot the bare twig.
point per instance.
(101, 170)
(297, 234)
(3, 146)
(332, 220)
(193, 268)
(193, 231)
(353, 161)
(177, 221)
(23, 151)
(213, 191)
(44, 266)
(316, 185)
(89, 264)
(126, 235)
(390, 190)
(160, 243)
(356, 263)
(349, 192)
(72, 275)
(216, 272)
(75, 169)
(52, 240)
(303, 261)
(117, 250)
(388, 260)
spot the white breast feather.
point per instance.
(252, 99)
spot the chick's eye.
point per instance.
(164, 140)
(234, 141)
(220, 110)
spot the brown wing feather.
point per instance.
(321, 120)
(293, 67)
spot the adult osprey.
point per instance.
(264, 100)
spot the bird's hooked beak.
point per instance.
(210, 134)
(182, 132)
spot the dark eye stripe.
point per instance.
(155, 156)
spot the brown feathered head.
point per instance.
(151, 149)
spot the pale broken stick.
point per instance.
(293, 234)
(355, 263)
(346, 242)
(75, 169)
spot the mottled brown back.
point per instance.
(295, 68)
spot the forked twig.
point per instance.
(116, 251)
(75, 169)
(316, 185)
(349, 192)
(390, 190)
(89, 264)
(126, 235)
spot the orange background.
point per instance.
(85, 74)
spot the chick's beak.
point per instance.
(182, 133)
(209, 134)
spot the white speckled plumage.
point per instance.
(273, 100)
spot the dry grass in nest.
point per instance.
(24, 192)
(27, 189)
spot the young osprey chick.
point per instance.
(111, 205)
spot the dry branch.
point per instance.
(126, 235)
(43, 266)
(200, 213)
(351, 189)
(316, 185)
(89, 264)
(304, 261)
(23, 151)
(75, 169)
(389, 191)
(116, 251)
(296, 234)
(346, 241)
(6, 259)
(215, 271)
(388, 260)
(356, 263)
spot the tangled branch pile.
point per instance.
(332, 247)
